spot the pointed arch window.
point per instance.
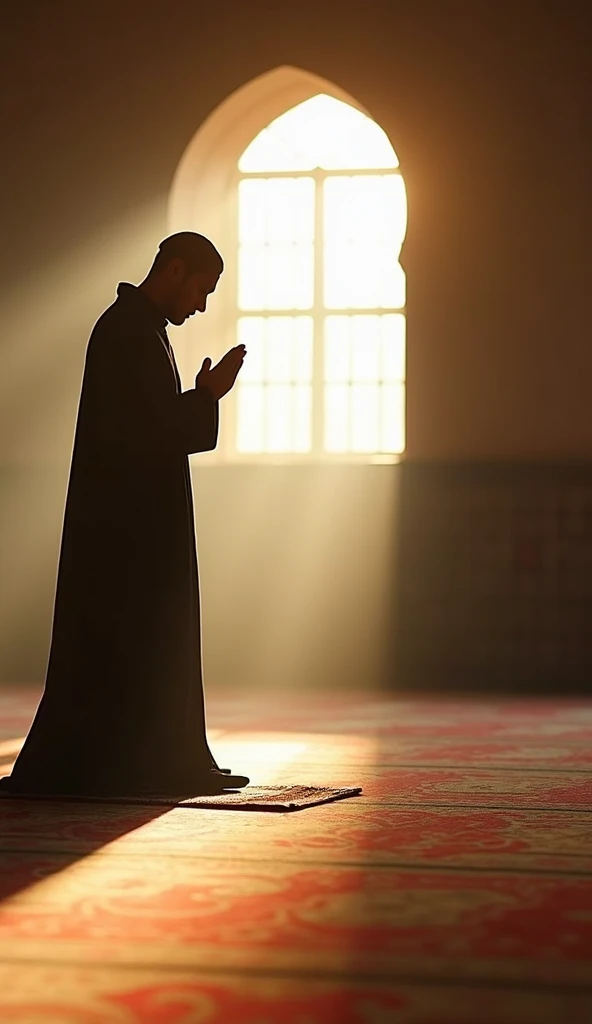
(320, 292)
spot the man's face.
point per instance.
(189, 295)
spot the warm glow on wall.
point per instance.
(322, 215)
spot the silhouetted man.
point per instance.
(123, 709)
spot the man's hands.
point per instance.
(220, 378)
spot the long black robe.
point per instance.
(123, 707)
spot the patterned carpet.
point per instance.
(456, 890)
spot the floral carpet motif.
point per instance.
(457, 889)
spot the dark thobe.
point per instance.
(123, 706)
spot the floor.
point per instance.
(457, 889)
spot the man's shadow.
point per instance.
(40, 838)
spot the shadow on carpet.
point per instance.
(253, 798)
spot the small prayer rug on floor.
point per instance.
(252, 798)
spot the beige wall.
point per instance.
(296, 568)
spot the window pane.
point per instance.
(276, 210)
(366, 416)
(337, 345)
(320, 132)
(364, 225)
(393, 418)
(290, 276)
(393, 347)
(369, 206)
(290, 209)
(302, 348)
(274, 418)
(365, 335)
(393, 283)
(279, 276)
(251, 333)
(362, 277)
(336, 417)
(279, 147)
(367, 347)
(302, 419)
(279, 350)
(365, 411)
(252, 211)
(276, 252)
(288, 419)
(278, 418)
(249, 435)
(252, 276)
(349, 138)
(281, 347)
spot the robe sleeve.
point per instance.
(137, 410)
(190, 422)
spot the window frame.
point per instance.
(318, 313)
(204, 197)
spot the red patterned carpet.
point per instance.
(456, 890)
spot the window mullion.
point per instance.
(318, 372)
(336, 172)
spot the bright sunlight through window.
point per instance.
(322, 215)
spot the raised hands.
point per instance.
(221, 377)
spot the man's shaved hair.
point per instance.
(199, 255)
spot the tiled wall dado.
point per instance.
(494, 577)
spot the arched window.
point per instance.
(315, 220)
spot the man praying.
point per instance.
(122, 712)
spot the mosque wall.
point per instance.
(487, 107)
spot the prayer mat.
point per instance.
(252, 798)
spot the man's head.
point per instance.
(185, 271)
